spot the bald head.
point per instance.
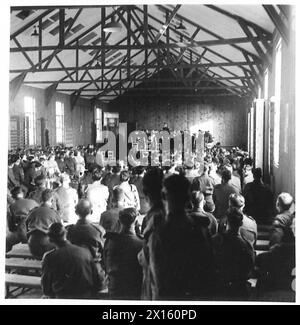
(83, 208)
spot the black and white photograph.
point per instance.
(150, 153)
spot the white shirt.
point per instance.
(97, 194)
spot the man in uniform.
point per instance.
(68, 271)
(38, 222)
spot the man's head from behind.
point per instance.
(127, 217)
(47, 197)
(152, 184)
(257, 173)
(226, 175)
(176, 191)
(284, 202)
(234, 219)
(57, 233)
(83, 208)
(236, 201)
(118, 196)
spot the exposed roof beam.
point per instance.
(133, 79)
(57, 49)
(161, 88)
(207, 31)
(278, 22)
(194, 52)
(141, 95)
(17, 8)
(166, 24)
(22, 29)
(285, 9)
(15, 85)
(255, 43)
(169, 65)
(216, 42)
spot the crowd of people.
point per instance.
(157, 233)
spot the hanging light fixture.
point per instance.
(97, 65)
(180, 26)
(35, 33)
(113, 26)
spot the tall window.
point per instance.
(252, 131)
(277, 104)
(266, 85)
(30, 120)
(60, 128)
(98, 122)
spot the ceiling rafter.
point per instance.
(196, 53)
(278, 22)
(255, 57)
(31, 23)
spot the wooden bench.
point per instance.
(23, 282)
(22, 264)
(20, 250)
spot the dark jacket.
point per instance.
(87, 234)
(69, 272)
(259, 201)
(19, 173)
(61, 165)
(234, 258)
(181, 260)
(11, 179)
(122, 266)
(36, 195)
(70, 165)
(281, 228)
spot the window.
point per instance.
(259, 92)
(266, 85)
(98, 122)
(277, 104)
(60, 128)
(252, 131)
(30, 121)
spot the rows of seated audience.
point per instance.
(156, 233)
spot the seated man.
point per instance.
(85, 233)
(68, 198)
(38, 222)
(205, 184)
(41, 182)
(110, 219)
(199, 215)
(19, 211)
(68, 271)
(248, 229)
(234, 258)
(221, 194)
(120, 259)
(283, 221)
(97, 194)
